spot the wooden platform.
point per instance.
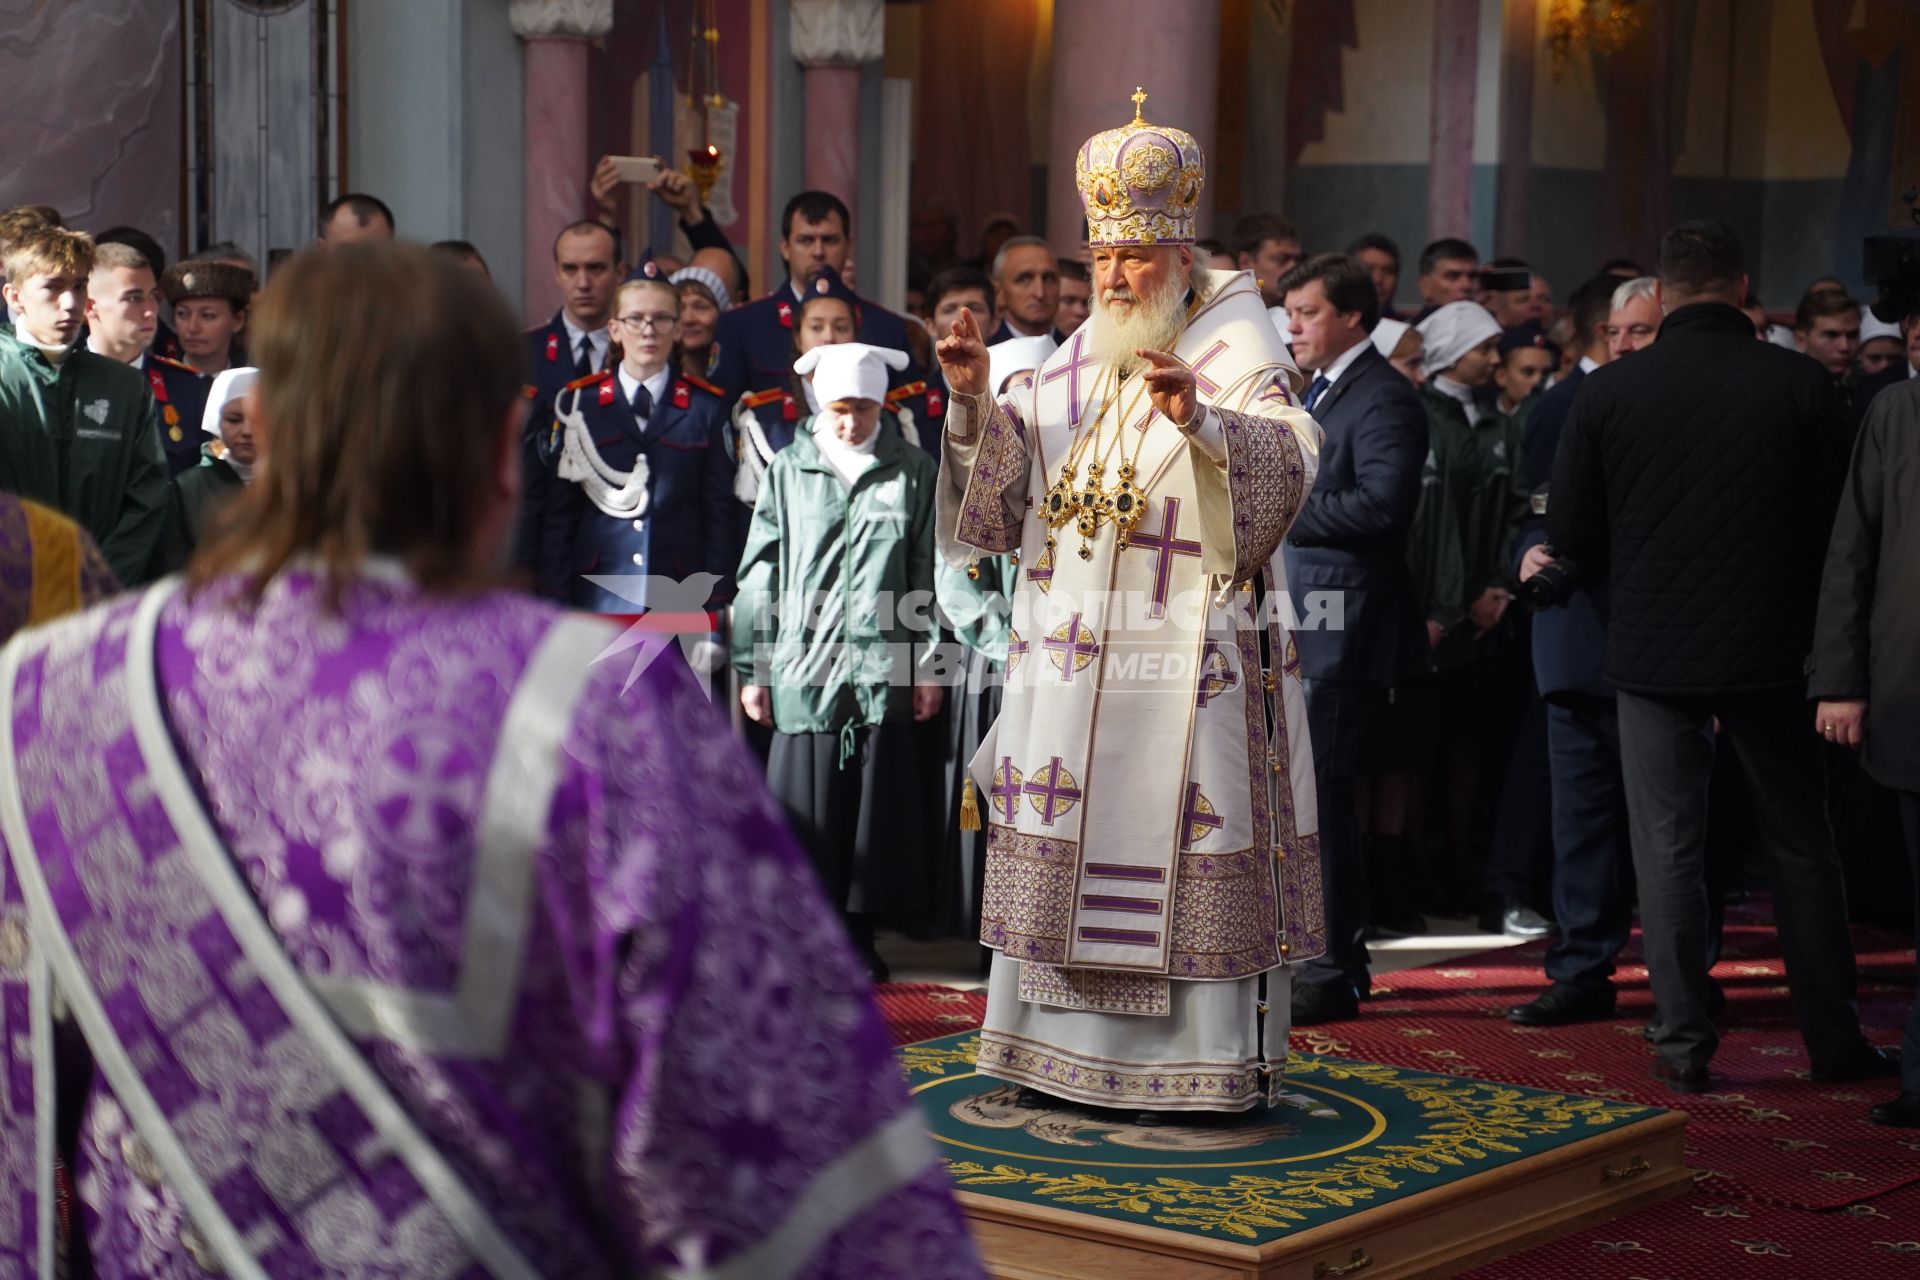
(1439, 1232)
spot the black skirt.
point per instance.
(869, 825)
(963, 865)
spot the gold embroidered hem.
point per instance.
(1100, 1082)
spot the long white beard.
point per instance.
(1153, 322)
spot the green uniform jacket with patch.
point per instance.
(1436, 549)
(831, 654)
(82, 439)
(199, 494)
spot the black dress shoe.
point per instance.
(1318, 1002)
(1679, 1079)
(1902, 1112)
(1408, 925)
(1561, 1005)
(1868, 1062)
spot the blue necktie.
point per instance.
(642, 403)
(583, 360)
(1315, 389)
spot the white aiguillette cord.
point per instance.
(621, 494)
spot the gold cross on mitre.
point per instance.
(1139, 101)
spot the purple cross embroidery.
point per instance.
(1071, 647)
(1040, 573)
(1057, 792)
(1071, 372)
(1206, 385)
(1016, 650)
(1006, 789)
(1166, 544)
(1199, 820)
(1217, 675)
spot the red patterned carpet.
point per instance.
(1791, 1180)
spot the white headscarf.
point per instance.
(850, 371)
(228, 387)
(1454, 330)
(1872, 326)
(1386, 335)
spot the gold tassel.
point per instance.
(969, 808)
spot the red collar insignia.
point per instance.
(786, 314)
(606, 393)
(682, 395)
(789, 411)
(935, 403)
(158, 383)
(553, 348)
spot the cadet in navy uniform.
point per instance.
(764, 421)
(574, 344)
(642, 479)
(123, 304)
(756, 340)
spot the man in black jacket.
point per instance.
(1350, 542)
(1699, 479)
(1866, 644)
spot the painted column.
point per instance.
(1456, 57)
(1102, 49)
(556, 33)
(832, 39)
(1519, 42)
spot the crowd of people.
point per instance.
(1514, 703)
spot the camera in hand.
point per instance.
(1554, 584)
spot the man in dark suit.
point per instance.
(1699, 478)
(1590, 852)
(753, 344)
(1350, 541)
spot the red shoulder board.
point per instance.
(682, 394)
(786, 314)
(906, 392)
(154, 380)
(607, 393)
(703, 384)
(789, 409)
(936, 403)
(553, 348)
(589, 380)
(756, 399)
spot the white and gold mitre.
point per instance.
(1140, 183)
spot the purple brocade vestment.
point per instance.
(398, 941)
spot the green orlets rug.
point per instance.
(1349, 1136)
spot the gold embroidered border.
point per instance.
(1027, 903)
(1266, 479)
(1224, 925)
(1096, 990)
(1181, 1086)
(987, 520)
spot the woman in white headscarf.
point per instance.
(226, 463)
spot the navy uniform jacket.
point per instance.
(180, 394)
(691, 525)
(756, 343)
(550, 367)
(1351, 535)
(1569, 642)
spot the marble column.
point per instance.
(831, 39)
(1456, 59)
(1102, 49)
(556, 34)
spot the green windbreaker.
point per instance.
(833, 656)
(83, 440)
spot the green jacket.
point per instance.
(1436, 549)
(809, 621)
(1500, 497)
(198, 495)
(83, 440)
(979, 611)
